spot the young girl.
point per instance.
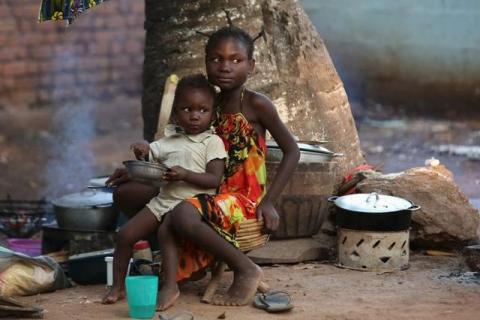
(208, 221)
(195, 158)
(242, 120)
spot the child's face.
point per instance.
(228, 65)
(194, 110)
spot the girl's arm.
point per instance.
(211, 178)
(268, 117)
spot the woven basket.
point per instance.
(250, 236)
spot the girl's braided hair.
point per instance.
(234, 32)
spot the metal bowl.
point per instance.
(146, 172)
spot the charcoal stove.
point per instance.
(75, 241)
(22, 218)
(373, 250)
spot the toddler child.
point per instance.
(195, 158)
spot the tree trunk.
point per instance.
(293, 66)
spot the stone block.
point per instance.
(290, 251)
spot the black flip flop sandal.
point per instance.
(184, 315)
(273, 301)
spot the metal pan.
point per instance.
(373, 212)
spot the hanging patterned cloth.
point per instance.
(64, 9)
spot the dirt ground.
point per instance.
(427, 290)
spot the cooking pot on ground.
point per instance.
(87, 210)
(310, 152)
(373, 212)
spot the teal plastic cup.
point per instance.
(141, 296)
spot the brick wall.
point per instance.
(99, 56)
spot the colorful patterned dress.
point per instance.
(64, 9)
(243, 187)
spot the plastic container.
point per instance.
(109, 268)
(109, 262)
(30, 247)
(141, 296)
(142, 258)
(141, 250)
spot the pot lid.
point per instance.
(93, 254)
(372, 202)
(98, 181)
(309, 146)
(85, 198)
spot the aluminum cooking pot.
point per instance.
(373, 212)
(310, 152)
(87, 210)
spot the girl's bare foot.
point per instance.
(243, 288)
(114, 295)
(167, 296)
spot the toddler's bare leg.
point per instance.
(141, 225)
(187, 222)
(169, 291)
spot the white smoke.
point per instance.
(71, 159)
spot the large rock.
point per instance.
(447, 219)
(471, 255)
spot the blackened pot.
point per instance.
(373, 212)
(87, 210)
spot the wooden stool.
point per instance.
(249, 236)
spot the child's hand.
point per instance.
(175, 173)
(141, 150)
(267, 211)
